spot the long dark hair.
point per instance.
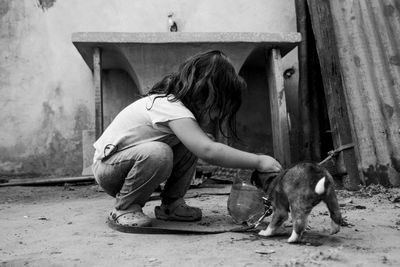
(208, 85)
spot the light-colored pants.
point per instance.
(132, 175)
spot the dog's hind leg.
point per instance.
(333, 207)
(280, 215)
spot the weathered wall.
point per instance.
(367, 34)
(46, 92)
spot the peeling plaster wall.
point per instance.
(46, 91)
(45, 4)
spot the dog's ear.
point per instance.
(255, 179)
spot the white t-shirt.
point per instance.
(144, 120)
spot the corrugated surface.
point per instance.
(368, 38)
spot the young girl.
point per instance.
(159, 138)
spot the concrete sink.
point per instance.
(149, 56)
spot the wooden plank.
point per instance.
(279, 116)
(47, 181)
(322, 24)
(366, 41)
(314, 139)
(98, 92)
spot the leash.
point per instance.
(268, 212)
(334, 153)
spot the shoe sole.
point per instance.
(124, 228)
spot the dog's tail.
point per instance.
(320, 188)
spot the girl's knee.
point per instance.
(159, 154)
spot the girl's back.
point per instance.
(144, 120)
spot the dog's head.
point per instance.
(263, 179)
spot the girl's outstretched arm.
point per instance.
(196, 140)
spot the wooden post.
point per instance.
(305, 134)
(279, 116)
(98, 92)
(322, 24)
(312, 112)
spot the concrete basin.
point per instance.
(149, 56)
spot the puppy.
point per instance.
(298, 190)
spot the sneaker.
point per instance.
(178, 211)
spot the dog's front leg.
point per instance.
(278, 217)
(300, 219)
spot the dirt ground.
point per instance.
(65, 226)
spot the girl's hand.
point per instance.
(268, 164)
